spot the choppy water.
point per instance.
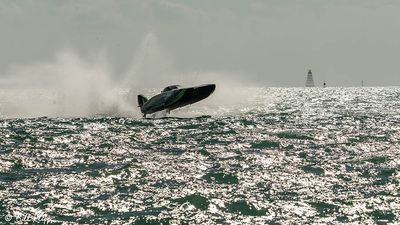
(288, 156)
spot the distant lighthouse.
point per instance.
(310, 80)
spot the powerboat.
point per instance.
(173, 97)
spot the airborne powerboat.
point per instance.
(173, 97)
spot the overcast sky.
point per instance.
(269, 42)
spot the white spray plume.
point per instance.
(70, 86)
(75, 86)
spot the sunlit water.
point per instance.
(281, 156)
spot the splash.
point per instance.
(75, 86)
(232, 96)
(70, 86)
(151, 66)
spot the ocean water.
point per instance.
(278, 156)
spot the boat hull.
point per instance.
(177, 98)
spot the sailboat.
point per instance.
(310, 80)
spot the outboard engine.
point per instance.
(141, 100)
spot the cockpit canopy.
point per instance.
(171, 87)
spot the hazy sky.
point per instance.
(271, 42)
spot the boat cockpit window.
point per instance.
(171, 87)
